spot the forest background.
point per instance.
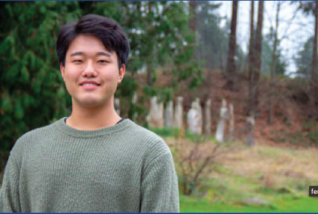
(183, 49)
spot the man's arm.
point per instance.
(160, 186)
(9, 194)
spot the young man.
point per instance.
(92, 161)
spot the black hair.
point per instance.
(106, 30)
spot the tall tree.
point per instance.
(30, 78)
(32, 93)
(273, 66)
(267, 54)
(230, 68)
(211, 49)
(304, 59)
(192, 6)
(312, 8)
(250, 58)
(149, 61)
(192, 23)
(251, 42)
(256, 63)
(314, 80)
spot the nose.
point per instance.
(89, 70)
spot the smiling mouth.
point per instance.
(89, 84)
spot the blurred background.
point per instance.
(244, 132)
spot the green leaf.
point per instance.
(6, 103)
(18, 111)
(25, 76)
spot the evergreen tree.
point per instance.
(32, 91)
(267, 50)
(303, 59)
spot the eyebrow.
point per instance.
(77, 54)
(98, 54)
(103, 54)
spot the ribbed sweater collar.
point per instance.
(61, 126)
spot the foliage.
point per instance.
(175, 132)
(159, 35)
(307, 7)
(303, 59)
(211, 49)
(240, 176)
(166, 132)
(194, 162)
(311, 133)
(212, 39)
(32, 92)
(267, 51)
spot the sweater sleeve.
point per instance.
(9, 194)
(160, 186)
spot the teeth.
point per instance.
(88, 84)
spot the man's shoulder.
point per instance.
(35, 134)
(144, 134)
(31, 138)
(154, 143)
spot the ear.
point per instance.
(62, 68)
(122, 71)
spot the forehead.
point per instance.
(87, 44)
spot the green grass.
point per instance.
(174, 132)
(279, 204)
(276, 177)
(227, 192)
(166, 132)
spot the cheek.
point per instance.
(110, 82)
(71, 75)
(110, 75)
(70, 79)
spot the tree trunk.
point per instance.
(314, 81)
(230, 68)
(149, 66)
(192, 5)
(256, 62)
(192, 25)
(251, 35)
(250, 60)
(273, 68)
(149, 74)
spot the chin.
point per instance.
(91, 102)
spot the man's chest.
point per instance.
(82, 174)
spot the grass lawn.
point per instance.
(284, 204)
(258, 179)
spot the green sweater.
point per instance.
(122, 168)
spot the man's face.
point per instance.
(91, 72)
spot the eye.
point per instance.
(77, 61)
(102, 61)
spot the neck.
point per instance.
(93, 118)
